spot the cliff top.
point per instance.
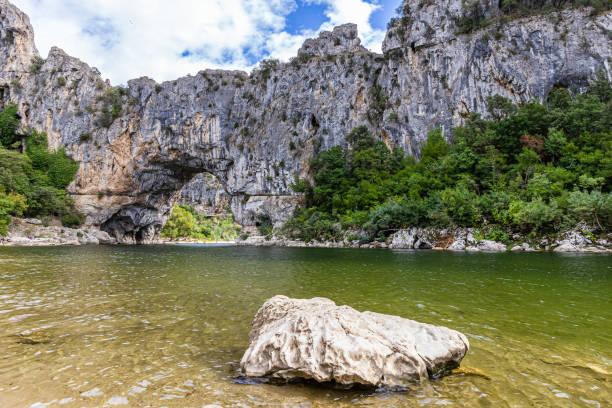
(343, 39)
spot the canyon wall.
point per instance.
(139, 146)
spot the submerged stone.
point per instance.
(316, 339)
(471, 371)
(33, 338)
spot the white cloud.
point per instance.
(126, 39)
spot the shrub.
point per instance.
(62, 169)
(473, 17)
(266, 66)
(16, 85)
(595, 208)
(534, 216)
(393, 215)
(186, 222)
(461, 205)
(72, 220)
(36, 64)
(112, 105)
(12, 204)
(499, 235)
(264, 225)
(180, 224)
(378, 104)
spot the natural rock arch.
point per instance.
(139, 146)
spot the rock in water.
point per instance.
(315, 339)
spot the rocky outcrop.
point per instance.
(32, 232)
(460, 239)
(315, 339)
(581, 239)
(207, 195)
(341, 41)
(139, 146)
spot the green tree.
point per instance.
(9, 123)
(500, 107)
(435, 147)
(62, 169)
(180, 224)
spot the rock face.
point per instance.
(31, 232)
(581, 239)
(315, 339)
(139, 146)
(206, 194)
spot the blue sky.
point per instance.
(311, 15)
(165, 40)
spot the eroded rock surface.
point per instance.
(139, 146)
(32, 232)
(207, 194)
(315, 339)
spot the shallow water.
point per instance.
(167, 325)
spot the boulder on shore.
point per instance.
(315, 339)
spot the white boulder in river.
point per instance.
(315, 339)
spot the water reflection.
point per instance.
(167, 325)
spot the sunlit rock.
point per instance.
(315, 339)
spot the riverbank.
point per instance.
(194, 242)
(580, 239)
(32, 232)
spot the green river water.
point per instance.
(167, 325)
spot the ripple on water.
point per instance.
(167, 326)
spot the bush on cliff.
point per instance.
(537, 168)
(474, 15)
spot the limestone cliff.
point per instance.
(139, 146)
(206, 194)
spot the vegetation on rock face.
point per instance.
(112, 104)
(187, 223)
(533, 169)
(33, 184)
(475, 15)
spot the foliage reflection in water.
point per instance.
(167, 325)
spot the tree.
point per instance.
(180, 224)
(435, 147)
(62, 169)
(500, 107)
(9, 123)
(554, 144)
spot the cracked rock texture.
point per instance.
(139, 146)
(315, 339)
(206, 194)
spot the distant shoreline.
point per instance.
(579, 240)
(32, 233)
(186, 242)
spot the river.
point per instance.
(167, 325)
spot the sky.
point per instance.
(166, 40)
